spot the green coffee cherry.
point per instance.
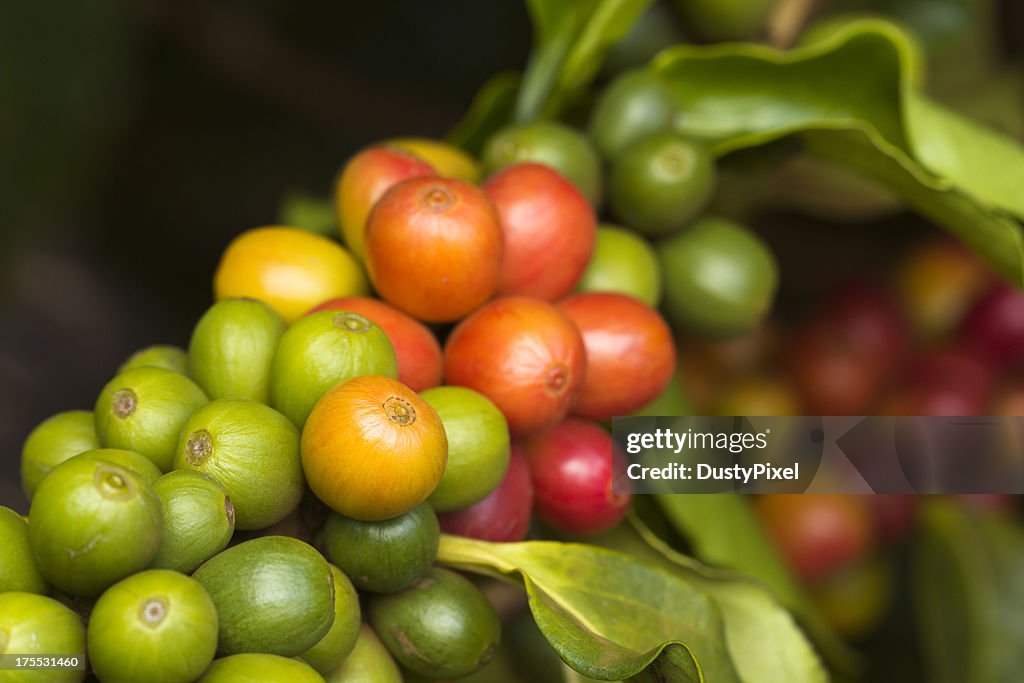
(273, 594)
(623, 262)
(34, 625)
(144, 410)
(199, 520)
(322, 350)
(441, 627)
(18, 571)
(232, 347)
(264, 668)
(253, 451)
(637, 104)
(478, 446)
(136, 462)
(720, 278)
(170, 358)
(369, 662)
(334, 647)
(554, 144)
(660, 183)
(386, 556)
(56, 439)
(157, 626)
(93, 523)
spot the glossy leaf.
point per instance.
(571, 38)
(850, 99)
(607, 614)
(723, 531)
(554, 32)
(981, 161)
(994, 235)
(490, 110)
(764, 641)
(968, 575)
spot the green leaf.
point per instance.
(607, 24)
(764, 641)
(571, 38)
(550, 49)
(995, 236)
(850, 99)
(608, 615)
(490, 110)
(741, 95)
(723, 531)
(549, 15)
(968, 575)
(979, 160)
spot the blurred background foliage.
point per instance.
(137, 138)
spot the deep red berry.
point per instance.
(504, 515)
(573, 467)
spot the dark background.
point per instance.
(137, 138)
